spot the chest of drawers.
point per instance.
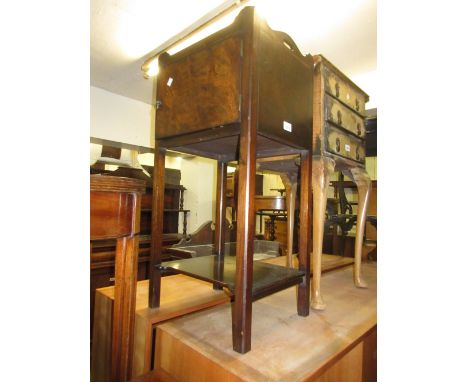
(338, 112)
(338, 142)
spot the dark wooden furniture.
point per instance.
(115, 214)
(338, 136)
(243, 92)
(102, 260)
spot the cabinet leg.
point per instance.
(156, 227)
(363, 183)
(303, 293)
(321, 169)
(242, 306)
(220, 223)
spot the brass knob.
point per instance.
(338, 144)
(359, 129)
(337, 89)
(338, 116)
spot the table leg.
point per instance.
(126, 265)
(321, 169)
(220, 223)
(156, 227)
(361, 178)
(303, 293)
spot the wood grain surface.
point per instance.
(285, 346)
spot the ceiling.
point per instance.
(124, 32)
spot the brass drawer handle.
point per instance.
(357, 105)
(359, 129)
(339, 117)
(337, 89)
(338, 145)
(357, 154)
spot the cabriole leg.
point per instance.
(361, 178)
(321, 169)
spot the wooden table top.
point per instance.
(285, 346)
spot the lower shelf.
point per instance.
(267, 278)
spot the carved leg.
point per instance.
(220, 223)
(363, 183)
(156, 227)
(321, 169)
(290, 183)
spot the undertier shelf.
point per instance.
(267, 278)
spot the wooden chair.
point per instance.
(115, 214)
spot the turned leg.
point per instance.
(156, 227)
(290, 183)
(361, 178)
(321, 169)
(220, 224)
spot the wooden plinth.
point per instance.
(335, 344)
(179, 295)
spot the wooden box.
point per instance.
(200, 90)
(339, 115)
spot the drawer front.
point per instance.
(342, 90)
(344, 145)
(340, 115)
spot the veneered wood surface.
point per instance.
(286, 347)
(200, 91)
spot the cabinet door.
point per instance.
(199, 91)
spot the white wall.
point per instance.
(121, 119)
(198, 175)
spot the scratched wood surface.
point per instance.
(285, 346)
(180, 295)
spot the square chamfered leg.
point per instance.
(220, 223)
(242, 306)
(157, 227)
(303, 294)
(359, 176)
(321, 169)
(126, 264)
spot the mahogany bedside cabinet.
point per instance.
(243, 92)
(338, 140)
(115, 204)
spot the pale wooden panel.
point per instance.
(347, 369)
(285, 346)
(179, 295)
